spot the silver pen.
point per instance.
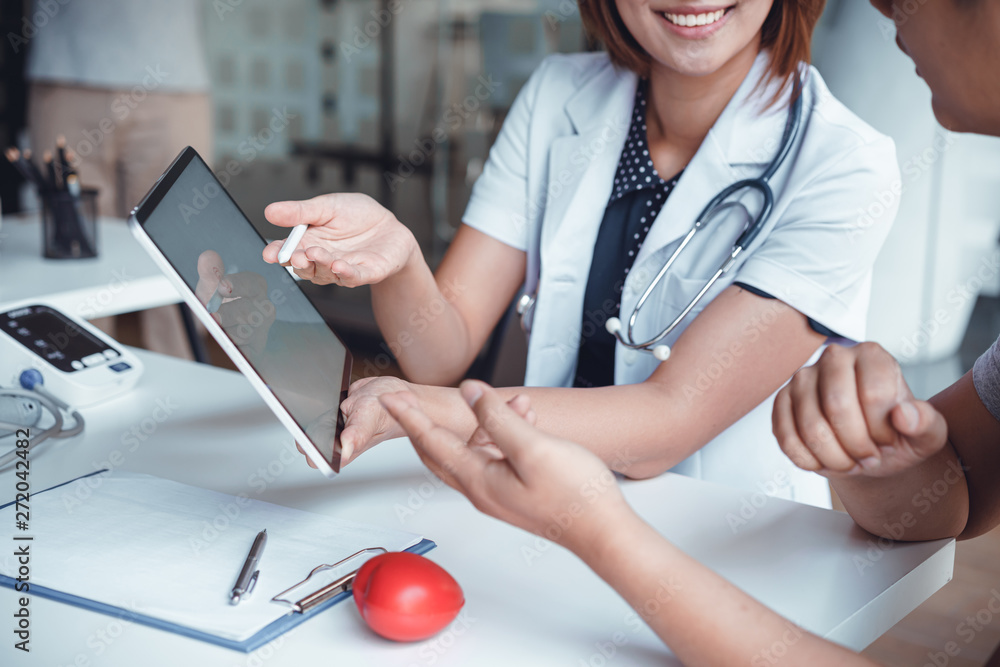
(248, 575)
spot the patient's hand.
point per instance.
(853, 413)
(546, 485)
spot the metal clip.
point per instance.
(321, 595)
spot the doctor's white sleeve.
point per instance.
(819, 256)
(498, 205)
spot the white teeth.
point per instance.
(691, 20)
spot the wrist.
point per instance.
(446, 407)
(601, 525)
(412, 257)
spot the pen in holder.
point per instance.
(69, 223)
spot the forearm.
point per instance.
(637, 430)
(953, 493)
(926, 502)
(421, 325)
(704, 619)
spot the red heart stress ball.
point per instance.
(406, 597)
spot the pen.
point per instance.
(36, 174)
(50, 167)
(248, 575)
(64, 167)
(291, 243)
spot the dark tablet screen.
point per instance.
(216, 251)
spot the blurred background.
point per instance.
(401, 100)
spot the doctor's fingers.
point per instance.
(350, 268)
(366, 424)
(316, 211)
(271, 251)
(330, 267)
(811, 424)
(837, 390)
(783, 427)
(308, 460)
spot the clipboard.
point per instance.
(313, 601)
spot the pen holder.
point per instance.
(69, 224)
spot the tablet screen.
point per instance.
(216, 251)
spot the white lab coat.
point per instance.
(546, 184)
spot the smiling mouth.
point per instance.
(690, 20)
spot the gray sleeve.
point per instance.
(986, 377)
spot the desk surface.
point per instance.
(121, 279)
(527, 602)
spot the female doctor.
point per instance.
(602, 166)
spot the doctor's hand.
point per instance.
(352, 240)
(548, 486)
(853, 414)
(366, 423)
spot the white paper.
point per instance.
(173, 552)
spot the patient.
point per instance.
(908, 469)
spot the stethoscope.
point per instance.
(32, 390)
(716, 206)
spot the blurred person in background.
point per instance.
(126, 83)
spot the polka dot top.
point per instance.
(635, 166)
(637, 196)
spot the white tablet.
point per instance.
(205, 244)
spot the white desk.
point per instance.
(121, 279)
(550, 611)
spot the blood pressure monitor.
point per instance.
(79, 363)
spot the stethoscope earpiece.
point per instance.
(613, 325)
(661, 352)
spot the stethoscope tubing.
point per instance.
(713, 207)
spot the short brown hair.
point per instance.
(787, 32)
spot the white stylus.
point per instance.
(291, 243)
